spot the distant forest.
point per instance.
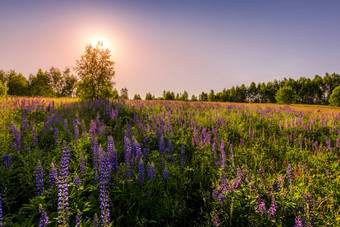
(58, 83)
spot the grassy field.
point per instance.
(165, 163)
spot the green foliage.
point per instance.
(149, 96)
(17, 84)
(3, 89)
(194, 98)
(285, 95)
(334, 99)
(40, 85)
(124, 93)
(203, 96)
(96, 72)
(168, 95)
(137, 97)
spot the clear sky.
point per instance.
(193, 45)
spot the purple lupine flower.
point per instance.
(329, 145)
(309, 209)
(112, 155)
(262, 207)
(151, 171)
(53, 176)
(103, 191)
(298, 221)
(78, 218)
(76, 180)
(214, 153)
(7, 161)
(128, 161)
(76, 134)
(216, 220)
(146, 149)
(63, 187)
(95, 221)
(82, 164)
(44, 218)
(141, 175)
(273, 208)
(171, 149)
(300, 142)
(138, 152)
(39, 174)
(232, 157)
(276, 185)
(182, 156)
(1, 212)
(65, 125)
(35, 138)
(17, 145)
(223, 157)
(56, 135)
(161, 152)
(289, 174)
(165, 174)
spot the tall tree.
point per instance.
(124, 93)
(40, 85)
(17, 84)
(96, 72)
(149, 96)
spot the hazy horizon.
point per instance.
(178, 45)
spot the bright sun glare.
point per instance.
(96, 41)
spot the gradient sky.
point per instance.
(193, 45)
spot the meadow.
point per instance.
(66, 162)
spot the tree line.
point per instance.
(302, 91)
(95, 80)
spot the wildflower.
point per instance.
(329, 145)
(262, 207)
(273, 208)
(165, 174)
(44, 218)
(182, 156)
(56, 135)
(216, 221)
(309, 209)
(39, 174)
(103, 191)
(1, 212)
(76, 180)
(161, 152)
(151, 171)
(298, 221)
(7, 161)
(128, 161)
(82, 164)
(78, 218)
(223, 158)
(35, 138)
(289, 173)
(53, 176)
(232, 156)
(63, 187)
(95, 221)
(276, 185)
(76, 134)
(141, 172)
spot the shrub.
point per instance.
(334, 99)
(285, 95)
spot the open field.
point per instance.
(166, 163)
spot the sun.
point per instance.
(102, 43)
